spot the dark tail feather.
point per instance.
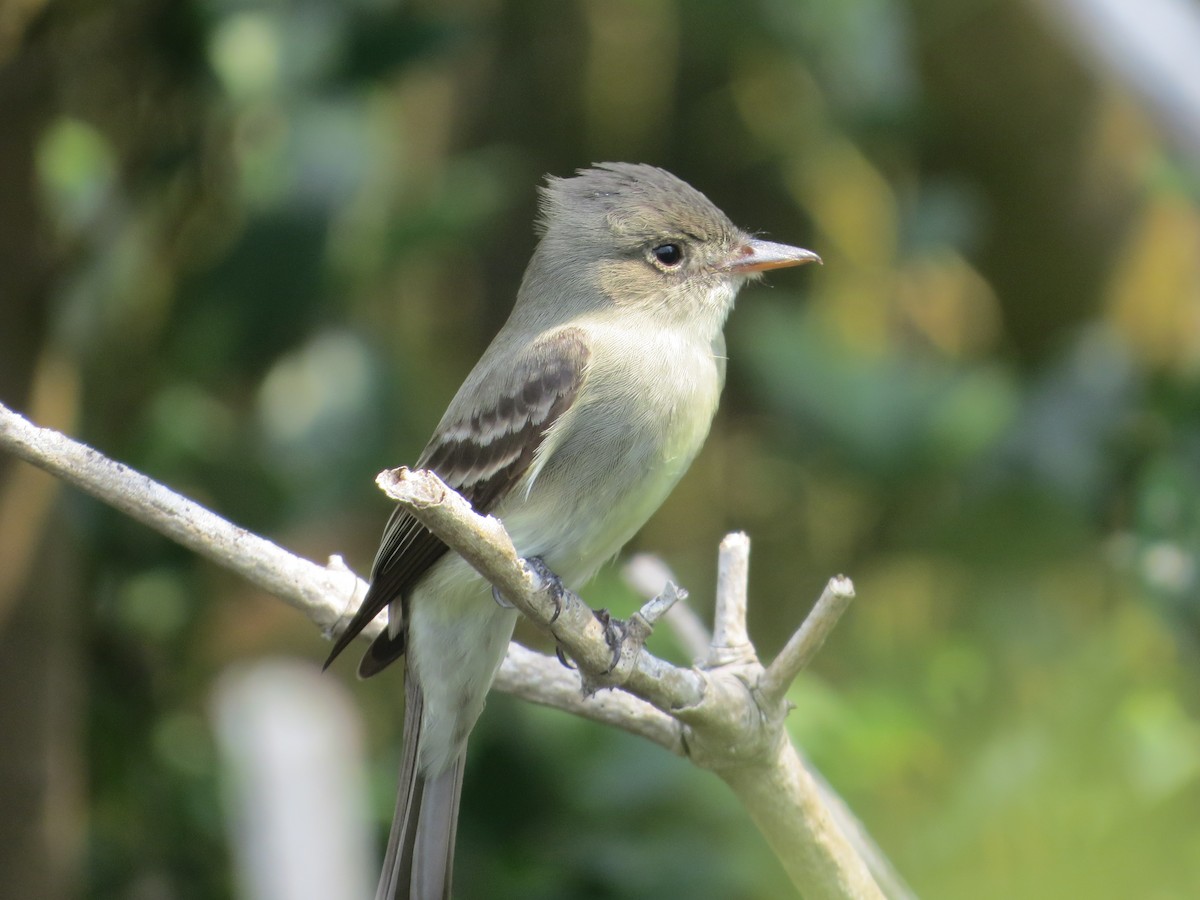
(384, 651)
(419, 861)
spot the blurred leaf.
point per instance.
(891, 416)
(77, 167)
(380, 42)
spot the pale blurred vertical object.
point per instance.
(1153, 46)
(290, 742)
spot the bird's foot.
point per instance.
(614, 629)
(548, 582)
(614, 635)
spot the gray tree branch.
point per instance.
(728, 724)
(718, 716)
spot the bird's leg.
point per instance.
(614, 628)
(552, 585)
(548, 582)
(614, 635)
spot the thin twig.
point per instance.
(648, 575)
(804, 644)
(730, 639)
(657, 607)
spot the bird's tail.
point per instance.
(419, 861)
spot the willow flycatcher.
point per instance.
(572, 428)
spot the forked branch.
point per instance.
(727, 716)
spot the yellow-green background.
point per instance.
(252, 247)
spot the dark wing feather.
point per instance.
(481, 453)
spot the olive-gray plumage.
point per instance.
(573, 427)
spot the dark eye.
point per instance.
(669, 255)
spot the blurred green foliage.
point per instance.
(283, 232)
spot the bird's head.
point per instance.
(638, 237)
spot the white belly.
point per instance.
(627, 443)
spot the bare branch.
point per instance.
(324, 594)
(730, 640)
(800, 836)
(716, 718)
(648, 575)
(657, 607)
(301, 583)
(483, 542)
(727, 728)
(542, 679)
(804, 644)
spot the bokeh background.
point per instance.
(251, 248)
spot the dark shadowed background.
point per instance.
(251, 248)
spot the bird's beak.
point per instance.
(759, 256)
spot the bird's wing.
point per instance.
(485, 444)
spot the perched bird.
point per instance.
(572, 428)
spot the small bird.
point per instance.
(580, 417)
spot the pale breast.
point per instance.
(640, 422)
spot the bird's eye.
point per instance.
(669, 255)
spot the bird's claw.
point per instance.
(614, 635)
(550, 583)
(563, 658)
(501, 600)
